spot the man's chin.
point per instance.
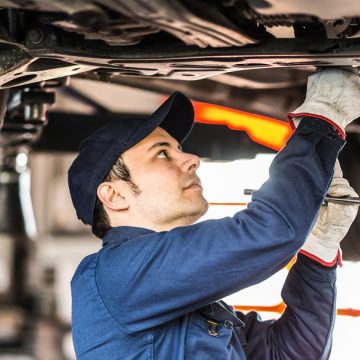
(203, 208)
(206, 207)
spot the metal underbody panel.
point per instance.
(331, 9)
(51, 60)
(171, 39)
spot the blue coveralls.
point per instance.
(145, 295)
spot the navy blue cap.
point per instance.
(100, 150)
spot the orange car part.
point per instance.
(279, 309)
(264, 130)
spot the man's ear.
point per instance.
(110, 195)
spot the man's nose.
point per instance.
(190, 162)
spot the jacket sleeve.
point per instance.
(159, 277)
(304, 331)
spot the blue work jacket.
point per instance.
(154, 295)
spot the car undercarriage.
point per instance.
(250, 55)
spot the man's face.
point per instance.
(170, 191)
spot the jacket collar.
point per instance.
(124, 233)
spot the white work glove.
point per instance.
(323, 243)
(333, 95)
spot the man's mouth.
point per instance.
(195, 184)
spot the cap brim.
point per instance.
(175, 115)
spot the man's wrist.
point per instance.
(310, 260)
(337, 260)
(295, 120)
(324, 128)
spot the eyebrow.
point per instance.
(162, 144)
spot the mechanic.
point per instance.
(153, 290)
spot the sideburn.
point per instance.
(120, 171)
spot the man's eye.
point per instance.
(162, 154)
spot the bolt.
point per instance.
(35, 36)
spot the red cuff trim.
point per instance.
(333, 124)
(322, 262)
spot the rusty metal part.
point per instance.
(25, 118)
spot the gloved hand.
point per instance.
(323, 243)
(333, 94)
